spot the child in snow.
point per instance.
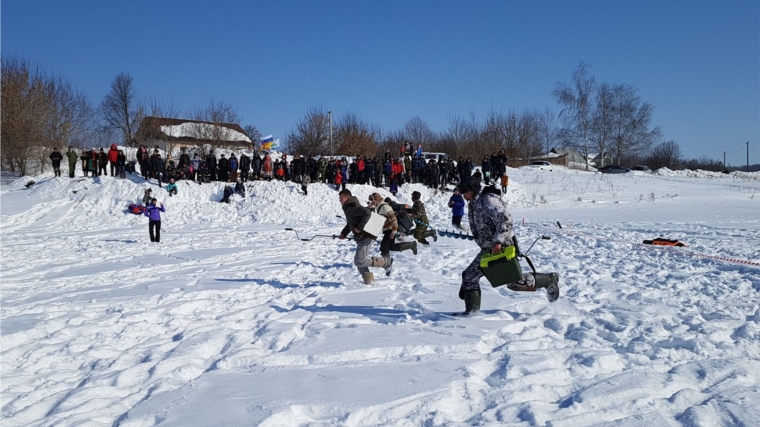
(147, 197)
(171, 187)
(227, 194)
(456, 203)
(153, 212)
(240, 188)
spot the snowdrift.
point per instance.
(231, 320)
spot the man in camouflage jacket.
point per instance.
(421, 220)
(491, 226)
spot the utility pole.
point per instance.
(329, 113)
(747, 156)
(724, 160)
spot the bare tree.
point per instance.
(492, 137)
(602, 121)
(39, 111)
(311, 135)
(216, 117)
(355, 136)
(577, 100)
(631, 118)
(417, 131)
(254, 135)
(461, 136)
(120, 109)
(666, 154)
(392, 141)
(158, 108)
(547, 131)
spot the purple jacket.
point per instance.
(152, 212)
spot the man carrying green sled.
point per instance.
(491, 226)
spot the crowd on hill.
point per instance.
(379, 171)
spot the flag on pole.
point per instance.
(267, 142)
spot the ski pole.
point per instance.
(534, 242)
(332, 236)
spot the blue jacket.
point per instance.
(457, 209)
(171, 186)
(152, 212)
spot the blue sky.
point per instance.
(697, 62)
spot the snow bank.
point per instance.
(232, 321)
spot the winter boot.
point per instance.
(389, 267)
(369, 278)
(408, 245)
(430, 233)
(550, 281)
(471, 302)
(424, 242)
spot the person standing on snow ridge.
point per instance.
(113, 158)
(55, 158)
(153, 212)
(491, 226)
(357, 217)
(305, 183)
(103, 163)
(72, 156)
(121, 164)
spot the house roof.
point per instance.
(172, 129)
(572, 154)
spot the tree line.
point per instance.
(41, 110)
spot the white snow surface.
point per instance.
(191, 129)
(233, 321)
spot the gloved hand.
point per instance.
(398, 235)
(342, 237)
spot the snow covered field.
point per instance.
(232, 321)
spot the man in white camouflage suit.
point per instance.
(491, 226)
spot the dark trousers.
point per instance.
(456, 221)
(154, 225)
(114, 167)
(72, 168)
(102, 170)
(386, 243)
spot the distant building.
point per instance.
(570, 155)
(600, 160)
(171, 134)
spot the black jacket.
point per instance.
(356, 216)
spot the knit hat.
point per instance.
(469, 184)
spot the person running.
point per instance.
(153, 212)
(390, 228)
(419, 215)
(357, 217)
(491, 227)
